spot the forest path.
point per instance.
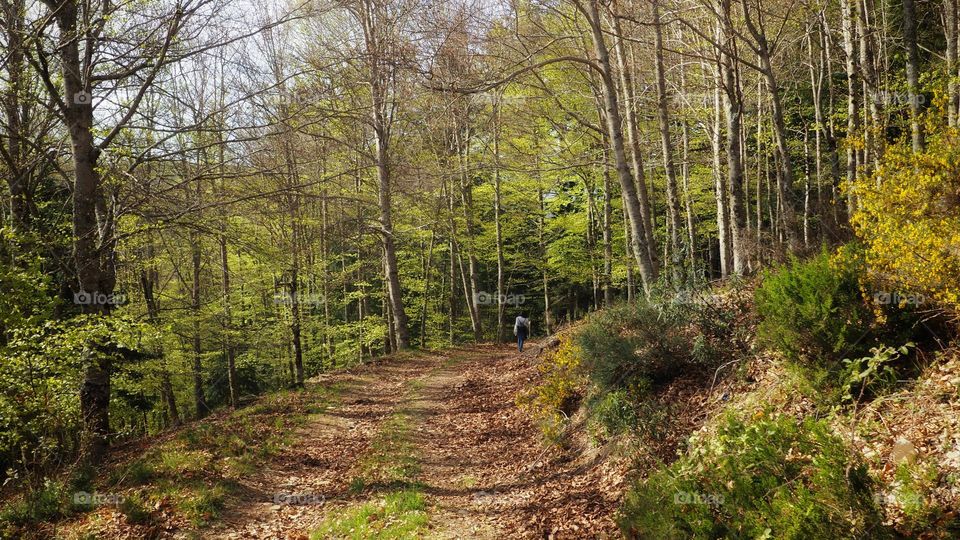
(430, 445)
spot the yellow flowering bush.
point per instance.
(908, 216)
(552, 399)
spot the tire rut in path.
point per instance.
(327, 448)
(481, 465)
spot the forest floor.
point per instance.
(425, 445)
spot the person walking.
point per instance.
(521, 329)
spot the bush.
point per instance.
(812, 311)
(48, 502)
(770, 478)
(631, 343)
(554, 400)
(612, 413)
(907, 216)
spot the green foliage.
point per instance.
(134, 509)
(913, 489)
(868, 375)
(553, 400)
(631, 343)
(47, 502)
(399, 515)
(43, 366)
(812, 311)
(612, 413)
(205, 503)
(773, 477)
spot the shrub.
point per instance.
(612, 413)
(812, 311)
(872, 374)
(48, 502)
(632, 342)
(554, 400)
(769, 478)
(907, 217)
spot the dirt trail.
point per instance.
(480, 464)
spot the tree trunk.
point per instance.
(648, 271)
(721, 190)
(950, 32)
(199, 400)
(633, 139)
(663, 117)
(375, 23)
(148, 281)
(913, 73)
(607, 233)
(732, 99)
(787, 217)
(853, 108)
(471, 291)
(501, 292)
(94, 263)
(542, 245)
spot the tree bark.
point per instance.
(633, 139)
(913, 73)
(663, 118)
(732, 99)
(787, 218)
(950, 32)
(501, 292)
(648, 271)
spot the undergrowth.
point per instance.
(194, 473)
(388, 475)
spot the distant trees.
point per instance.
(325, 183)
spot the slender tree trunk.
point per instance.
(18, 177)
(199, 399)
(732, 99)
(648, 271)
(228, 350)
(950, 32)
(687, 195)
(501, 292)
(427, 273)
(607, 233)
(541, 226)
(721, 188)
(472, 290)
(853, 119)
(663, 117)
(375, 22)
(806, 188)
(787, 215)
(148, 281)
(913, 73)
(633, 139)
